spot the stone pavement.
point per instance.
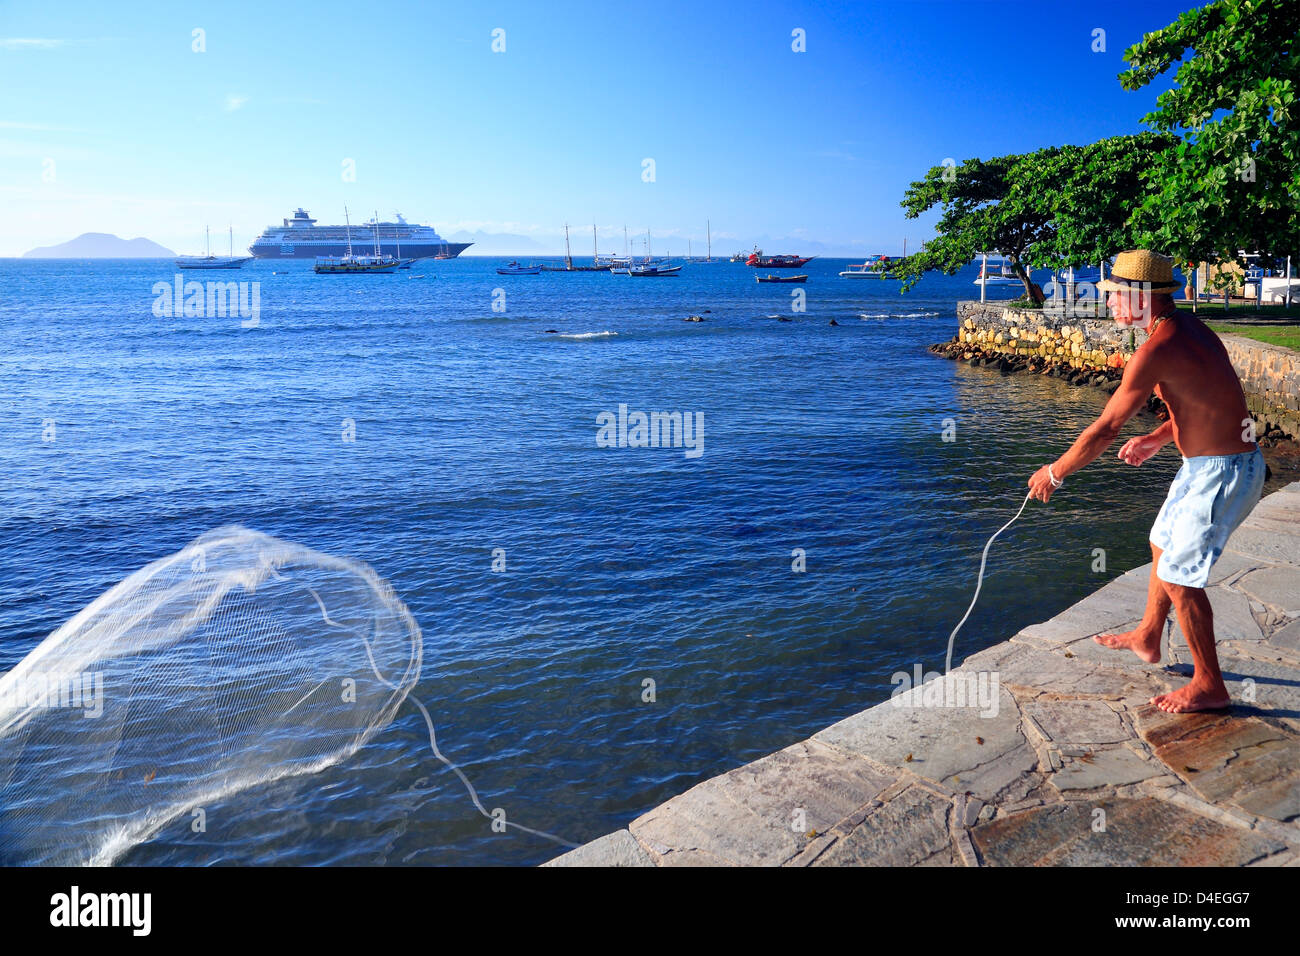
(1062, 762)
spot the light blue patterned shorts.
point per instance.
(1210, 496)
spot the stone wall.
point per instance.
(1080, 340)
(1270, 374)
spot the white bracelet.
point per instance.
(1056, 483)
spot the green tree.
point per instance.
(1055, 207)
(1093, 193)
(1232, 180)
(978, 212)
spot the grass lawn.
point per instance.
(1241, 311)
(1286, 335)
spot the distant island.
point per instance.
(101, 245)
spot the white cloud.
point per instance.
(234, 101)
(37, 127)
(29, 43)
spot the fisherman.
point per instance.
(1220, 480)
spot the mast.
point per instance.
(905, 247)
(688, 250)
(347, 224)
(625, 248)
(595, 247)
(207, 244)
(232, 240)
(568, 259)
(376, 228)
(397, 234)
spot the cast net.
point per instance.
(236, 661)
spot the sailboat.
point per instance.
(208, 260)
(397, 235)
(351, 264)
(708, 257)
(568, 258)
(650, 268)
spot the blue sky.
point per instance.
(110, 122)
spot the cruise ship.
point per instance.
(301, 238)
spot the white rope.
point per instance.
(980, 581)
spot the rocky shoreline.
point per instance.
(1281, 449)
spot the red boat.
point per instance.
(760, 261)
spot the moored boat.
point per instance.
(650, 270)
(775, 278)
(873, 267)
(513, 268)
(350, 264)
(760, 261)
(208, 260)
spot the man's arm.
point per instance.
(1140, 377)
(1141, 447)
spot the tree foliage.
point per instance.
(1059, 206)
(977, 214)
(1232, 179)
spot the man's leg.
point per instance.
(1144, 640)
(1206, 690)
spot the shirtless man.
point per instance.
(1220, 480)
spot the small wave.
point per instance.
(583, 335)
(896, 315)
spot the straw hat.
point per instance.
(1140, 270)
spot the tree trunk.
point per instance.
(1033, 292)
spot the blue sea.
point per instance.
(402, 421)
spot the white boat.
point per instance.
(653, 269)
(208, 260)
(651, 266)
(872, 268)
(1001, 277)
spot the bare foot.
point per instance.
(1192, 698)
(1145, 644)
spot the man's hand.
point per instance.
(1139, 449)
(1041, 484)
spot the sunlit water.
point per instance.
(475, 430)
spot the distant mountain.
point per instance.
(101, 245)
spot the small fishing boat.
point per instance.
(513, 268)
(776, 278)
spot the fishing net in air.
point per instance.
(236, 661)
